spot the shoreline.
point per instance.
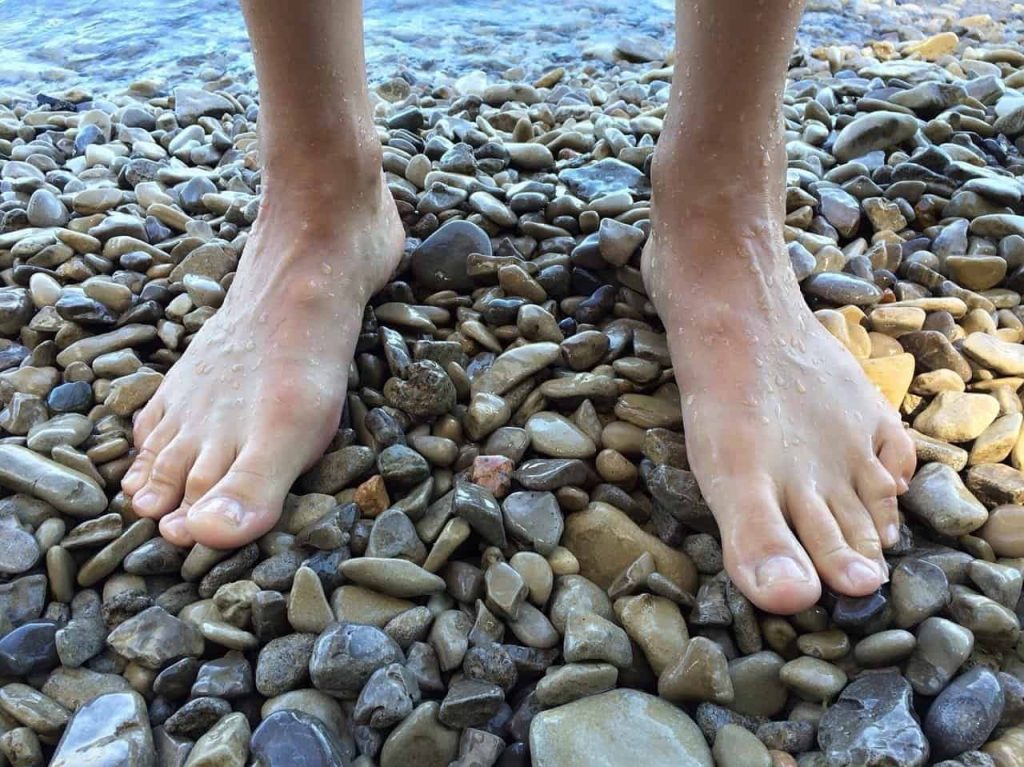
(462, 575)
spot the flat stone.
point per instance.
(605, 177)
(611, 729)
(556, 436)
(515, 366)
(871, 131)
(394, 577)
(997, 355)
(67, 490)
(841, 289)
(873, 725)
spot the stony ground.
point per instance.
(502, 559)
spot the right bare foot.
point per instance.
(259, 392)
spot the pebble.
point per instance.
(964, 714)
(67, 490)
(873, 722)
(284, 734)
(226, 744)
(738, 747)
(612, 728)
(346, 655)
(108, 729)
(942, 647)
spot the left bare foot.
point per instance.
(782, 426)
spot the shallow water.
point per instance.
(102, 46)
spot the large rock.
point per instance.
(873, 725)
(617, 728)
(67, 490)
(109, 731)
(606, 542)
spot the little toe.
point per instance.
(174, 529)
(877, 491)
(839, 565)
(139, 472)
(897, 454)
(166, 484)
(244, 505)
(762, 556)
(149, 450)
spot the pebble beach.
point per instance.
(502, 559)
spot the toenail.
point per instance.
(892, 533)
(776, 570)
(142, 500)
(224, 508)
(174, 526)
(859, 572)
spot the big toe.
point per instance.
(244, 505)
(762, 556)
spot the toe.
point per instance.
(174, 529)
(139, 472)
(207, 470)
(762, 556)
(897, 454)
(149, 449)
(147, 420)
(839, 565)
(166, 484)
(877, 491)
(245, 504)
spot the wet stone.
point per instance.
(346, 655)
(111, 729)
(284, 734)
(964, 714)
(605, 177)
(29, 649)
(873, 723)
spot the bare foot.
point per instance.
(783, 429)
(258, 394)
